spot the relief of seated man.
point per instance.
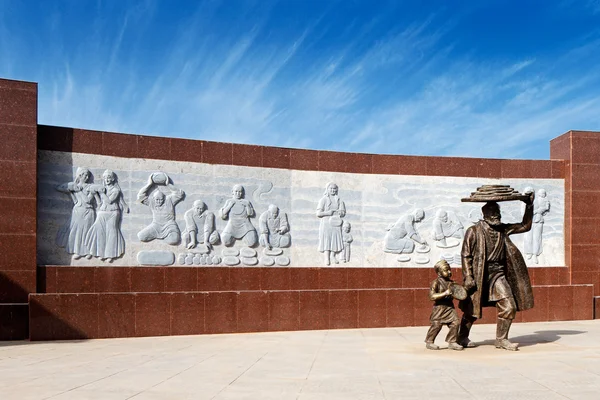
(274, 228)
(444, 228)
(402, 235)
(199, 226)
(237, 211)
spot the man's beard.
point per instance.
(493, 221)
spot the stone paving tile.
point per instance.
(330, 396)
(262, 389)
(78, 394)
(559, 360)
(153, 395)
(27, 393)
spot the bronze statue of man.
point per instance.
(495, 273)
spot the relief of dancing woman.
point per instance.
(104, 238)
(72, 234)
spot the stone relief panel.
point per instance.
(331, 210)
(94, 226)
(447, 230)
(200, 229)
(162, 206)
(533, 239)
(237, 211)
(321, 203)
(402, 235)
(246, 216)
(104, 239)
(155, 257)
(73, 233)
(347, 239)
(445, 218)
(257, 226)
(274, 228)
(274, 236)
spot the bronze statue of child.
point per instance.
(443, 312)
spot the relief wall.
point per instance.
(99, 210)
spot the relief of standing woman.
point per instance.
(104, 238)
(72, 235)
(331, 210)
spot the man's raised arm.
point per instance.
(525, 225)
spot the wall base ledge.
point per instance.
(69, 316)
(14, 321)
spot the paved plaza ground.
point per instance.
(557, 360)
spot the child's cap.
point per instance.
(438, 265)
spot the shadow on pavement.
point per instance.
(537, 337)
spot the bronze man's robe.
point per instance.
(474, 258)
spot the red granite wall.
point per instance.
(18, 162)
(125, 145)
(82, 302)
(142, 301)
(581, 152)
(106, 315)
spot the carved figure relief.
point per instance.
(401, 236)
(331, 209)
(104, 238)
(475, 215)
(451, 258)
(238, 211)
(163, 226)
(91, 221)
(533, 238)
(72, 234)
(446, 232)
(347, 239)
(200, 227)
(274, 228)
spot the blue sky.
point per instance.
(467, 78)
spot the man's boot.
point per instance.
(432, 346)
(454, 346)
(502, 342)
(463, 333)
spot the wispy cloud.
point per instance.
(407, 88)
(592, 6)
(477, 110)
